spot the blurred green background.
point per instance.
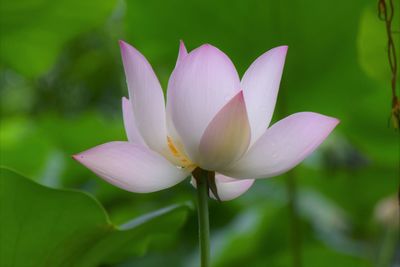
(61, 86)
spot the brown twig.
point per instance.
(386, 14)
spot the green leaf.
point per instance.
(320, 255)
(33, 32)
(41, 226)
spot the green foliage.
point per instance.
(41, 226)
(33, 32)
(52, 141)
(372, 42)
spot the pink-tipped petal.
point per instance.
(260, 85)
(131, 167)
(283, 146)
(170, 125)
(131, 130)
(227, 136)
(198, 88)
(182, 53)
(147, 98)
(229, 188)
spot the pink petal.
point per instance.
(146, 96)
(229, 188)
(182, 53)
(130, 124)
(283, 146)
(131, 167)
(198, 88)
(227, 136)
(170, 125)
(260, 85)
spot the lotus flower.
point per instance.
(212, 120)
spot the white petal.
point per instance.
(229, 188)
(227, 136)
(131, 167)
(283, 146)
(130, 124)
(147, 98)
(199, 87)
(260, 85)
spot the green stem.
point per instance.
(202, 208)
(294, 220)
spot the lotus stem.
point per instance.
(201, 177)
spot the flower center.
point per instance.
(179, 156)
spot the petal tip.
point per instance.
(279, 51)
(331, 120)
(127, 48)
(182, 53)
(182, 44)
(240, 97)
(122, 43)
(208, 48)
(335, 121)
(77, 157)
(124, 46)
(282, 49)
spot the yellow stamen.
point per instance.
(181, 157)
(172, 147)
